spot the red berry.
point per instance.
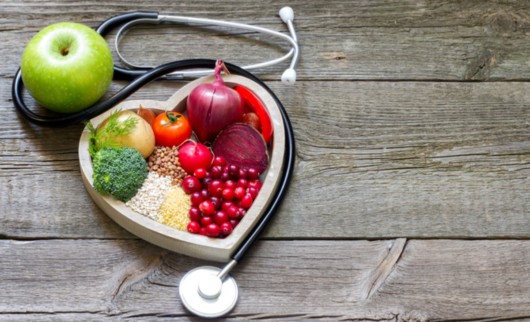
(220, 217)
(233, 170)
(239, 192)
(216, 201)
(226, 228)
(241, 213)
(205, 221)
(194, 227)
(194, 214)
(215, 188)
(230, 184)
(219, 160)
(213, 230)
(242, 183)
(225, 205)
(243, 173)
(233, 222)
(207, 208)
(246, 201)
(200, 173)
(202, 231)
(228, 194)
(255, 183)
(191, 184)
(252, 174)
(232, 212)
(196, 198)
(253, 192)
(216, 171)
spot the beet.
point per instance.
(242, 145)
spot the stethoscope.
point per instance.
(206, 291)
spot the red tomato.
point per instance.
(253, 103)
(171, 128)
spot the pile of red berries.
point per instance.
(220, 196)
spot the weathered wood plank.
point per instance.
(442, 40)
(424, 280)
(392, 159)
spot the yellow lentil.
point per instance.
(174, 209)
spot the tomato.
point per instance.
(171, 128)
(253, 104)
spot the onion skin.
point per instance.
(212, 107)
(242, 145)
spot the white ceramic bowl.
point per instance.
(199, 246)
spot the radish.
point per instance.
(193, 155)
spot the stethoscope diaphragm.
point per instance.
(205, 294)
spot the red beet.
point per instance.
(242, 145)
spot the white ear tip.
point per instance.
(287, 14)
(289, 76)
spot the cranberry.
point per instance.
(226, 228)
(233, 170)
(253, 192)
(215, 188)
(196, 198)
(219, 160)
(202, 231)
(239, 192)
(191, 184)
(228, 194)
(213, 230)
(241, 213)
(252, 174)
(216, 171)
(255, 183)
(200, 173)
(220, 217)
(242, 183)
(194, 227)
(205, 221)
(243, 173)
(225, 205)
(232, 212)
(216, 201)
(230, 184)
(246, 201)
(233, 222)
(194, 214)
(207, 208)
(225, 176)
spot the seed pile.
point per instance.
(150, 196)
(174, 209)
(164, 161)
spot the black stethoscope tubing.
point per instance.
(141, 77)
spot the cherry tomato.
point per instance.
(171, 128)
(253, 104)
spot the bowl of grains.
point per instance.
(160, 211)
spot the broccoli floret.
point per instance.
(119, 172)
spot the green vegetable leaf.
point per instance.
(105, 136)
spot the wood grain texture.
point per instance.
(279, 280)
(368, 40)
(452, 160)
(412, 122)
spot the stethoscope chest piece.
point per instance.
(205, 294)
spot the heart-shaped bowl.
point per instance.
(215, 249)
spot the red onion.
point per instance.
(211, 107)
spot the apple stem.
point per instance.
(64, 51)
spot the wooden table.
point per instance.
(411, 193)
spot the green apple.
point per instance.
(67, 67)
